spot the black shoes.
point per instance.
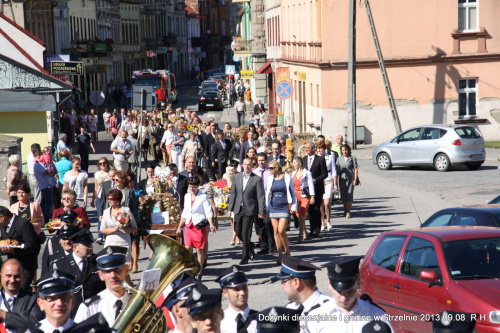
(263, 251)
(252, 251)
(244, 261)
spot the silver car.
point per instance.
(441, 146)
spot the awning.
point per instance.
(266, 69)
(14, 101)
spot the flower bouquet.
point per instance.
(122, 218)
(221, 209)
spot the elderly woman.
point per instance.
(63, 166)
(347, 174)
(177, 144)
(61, 144)
(27, 210)
(15, 177)
(76, 180)
(68, 200)
(280, 201)
(197, 212)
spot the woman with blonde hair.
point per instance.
(280, 202)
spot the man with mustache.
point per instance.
(17, 306)
(113, 270)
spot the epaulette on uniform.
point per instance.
(92, 299)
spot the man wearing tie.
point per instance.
(154, 140)
(317, 166)
(247, 188)
(238, 317)
(220, 153)
(273, 135)
(112, 269)
(18, 307)
(276, 154)
(81, 263)
(258, 105)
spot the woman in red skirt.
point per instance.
(197, 211)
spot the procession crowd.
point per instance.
(267, 193)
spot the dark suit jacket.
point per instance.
(130, 199)
(282, 159)
(25, 311)
(256, 108)
(235, 149)
(245, 145)
(88, 283)
(319, 172)
(219, 152)
(252, 197)
(208, 140)
(53, 250)
(23, 232)
(182, 185)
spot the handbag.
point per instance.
(357, 181)
(204, 223)
(305, 191)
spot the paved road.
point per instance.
(383, 202)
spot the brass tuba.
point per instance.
(141, 314)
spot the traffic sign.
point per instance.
(236, 59)
(67, 67)
(246, 74)
(146, 92)
(284, 89)
(230, 69)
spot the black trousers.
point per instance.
(315, 213)
(243, 228)
(266, 232)
(84, 160)
(222, 168)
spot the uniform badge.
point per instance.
(55, 275)
(196, 295)
(445, 319)
(109, 250)
(235, 269)
(338, 269)
(377, 327)
(273, 315)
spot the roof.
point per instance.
(451, 233)
(265, 69)
(191, 12)
(26, 32)
(26, 54)
(14, 101)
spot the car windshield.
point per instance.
(471, 259)
(155, 82)
(210, 94)
(468, 132)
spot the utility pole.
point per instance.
(351, 78)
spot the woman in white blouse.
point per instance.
(196, 209)
(166, 141)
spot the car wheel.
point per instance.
(384, 161)
(473, 166)
(441, 162)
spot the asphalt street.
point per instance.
(386, 200)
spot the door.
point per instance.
(402, 148)
(428, 145)
(414, 297)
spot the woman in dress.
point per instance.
(106, 116)
(280, 201)
(103, 164)
(27, 210)
(166, 143)
(113, 124)
(304, 191)
(63, 166)
(118, 222)
(76, 180)
(83, 119)
(196, 209)
(252, 154)
(348, 171)
(15, 177)
(93, 119)
(191, 148)
(178, 143)
(330, 185)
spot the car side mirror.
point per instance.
(429, 276)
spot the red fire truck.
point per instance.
(163, 83)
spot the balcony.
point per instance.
(241, 47)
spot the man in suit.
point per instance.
(289, 132)
(258, 105)
(15, 228)
(245, 145)
(276, 154)
(154, 140)
(81, 263)
(248, 188)
(209, 140)
(220, 153)
(133, 159)
(18, 307)
(317, 166)
(273, 135)
(183, 177)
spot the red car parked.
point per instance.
(416, 274)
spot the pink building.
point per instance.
(442, 59)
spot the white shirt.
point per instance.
(5, 301)
(245, 180)
(361, 308)
(229, 324)
(105, 305)
(47, 327)
(324, 308)
(31, 163)
(310, 161)
(10, 223)
(168, 138)
(78, 261)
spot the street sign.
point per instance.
(284, 90)
(67, 67)
(302, 76)
(147, 101)
(236, 59)
(282, 74)
(246, 74)
(230, 69)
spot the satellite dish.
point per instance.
(97, 97)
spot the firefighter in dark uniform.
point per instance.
(60, 245)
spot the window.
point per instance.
(433, 133)
(467, 15)
(440, 220)
(464, 219)
(467, 95)
(411, 135)
(224, 27)
(387, 252)
(419, 255)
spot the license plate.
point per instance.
(210, 105)
(476, 156)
